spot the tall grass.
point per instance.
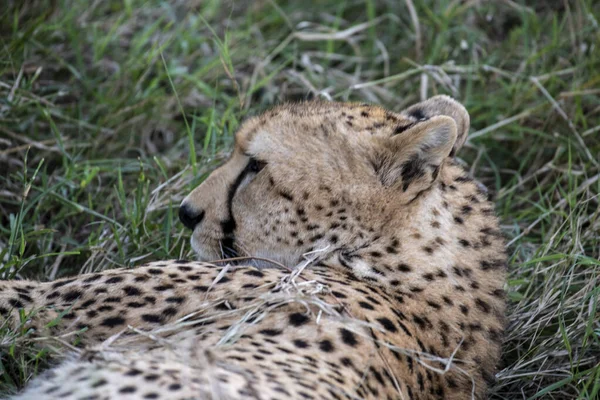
(111, 111)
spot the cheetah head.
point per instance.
(321, 176)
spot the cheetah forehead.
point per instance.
(318, 120)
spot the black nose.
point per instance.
(189, 217)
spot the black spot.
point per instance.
(92, 278)
(153, 318)
(428, 276)
(420, 381)
(464, 243)
(301, 344)
(373, 300)
(285, 195)
(434, 304)
(482, 305)
(326, 346)
(162, 288)
(131, 291)
(87, 303)
(155, 271)
(15, 303)
(346, 362)
(348, 337)
(377, 375)
(459, 220)
(114, 279)
(62, 283)
(112, 300)
(174, 386)
(111, 322)
(72, 295)
(387, 324)
(271, 332)
(25, 297)
(99, 383)
(254, 272)
(492, 264)
(127, 389)
(475, 326)
(421, 321)
(403, 268)
(169, 311)
(298, 319)
(316, 237)
(151, 377)
(464, 309)
(175, 299)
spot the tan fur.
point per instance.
(407, 270)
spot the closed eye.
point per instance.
(255, 166)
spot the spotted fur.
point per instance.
(401, 296)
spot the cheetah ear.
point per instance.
(442, 105)
(412, 160)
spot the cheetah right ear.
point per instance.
(442, 105)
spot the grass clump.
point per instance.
(111, 111)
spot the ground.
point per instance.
(118, 98)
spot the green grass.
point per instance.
(111, 111)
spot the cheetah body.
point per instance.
(397, 290)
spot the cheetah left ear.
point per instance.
(411, 160)
(442, 105)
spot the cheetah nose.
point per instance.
(190, 217)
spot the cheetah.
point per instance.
(363, 263)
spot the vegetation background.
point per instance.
(112, 110)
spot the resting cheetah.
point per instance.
(397, 291)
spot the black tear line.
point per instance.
(229, 225)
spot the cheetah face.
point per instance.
(320, 177)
